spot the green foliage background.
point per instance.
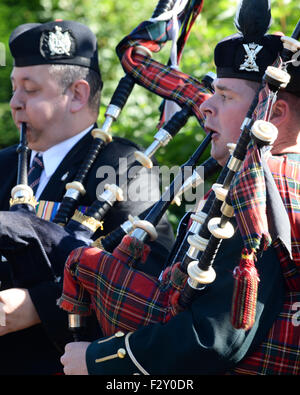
(111, 21)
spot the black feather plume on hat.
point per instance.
(253, 18)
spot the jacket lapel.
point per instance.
(67, 170)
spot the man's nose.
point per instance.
(17, 102)
(207, 107)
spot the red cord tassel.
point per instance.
(245, 292)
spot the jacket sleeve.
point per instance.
(200, 340)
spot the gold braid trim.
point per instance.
(98, 243)
(23, 200)
(89, 222)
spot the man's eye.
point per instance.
(225, 97)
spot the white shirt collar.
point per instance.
(54, 155)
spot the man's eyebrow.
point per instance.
(223, 88)
(23, 79)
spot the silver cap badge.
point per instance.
(59, 43)
(56, 43)
(251, 51)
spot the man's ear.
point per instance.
(80, 91)
(280, 113)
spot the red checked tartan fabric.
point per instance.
(279, 354)
(123, 298)
(248, 198)
(289, 189)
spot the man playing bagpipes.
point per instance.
(245, 321)
(56, 83)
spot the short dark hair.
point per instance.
(293, 102)
(66, 75)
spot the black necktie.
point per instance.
(35, 171)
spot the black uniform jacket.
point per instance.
(37, 350)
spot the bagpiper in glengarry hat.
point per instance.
(57, 42)
(248, 53)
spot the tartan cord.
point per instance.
(166, 82)
(161, 79)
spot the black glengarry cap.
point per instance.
(248, 53)
(57, 42)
